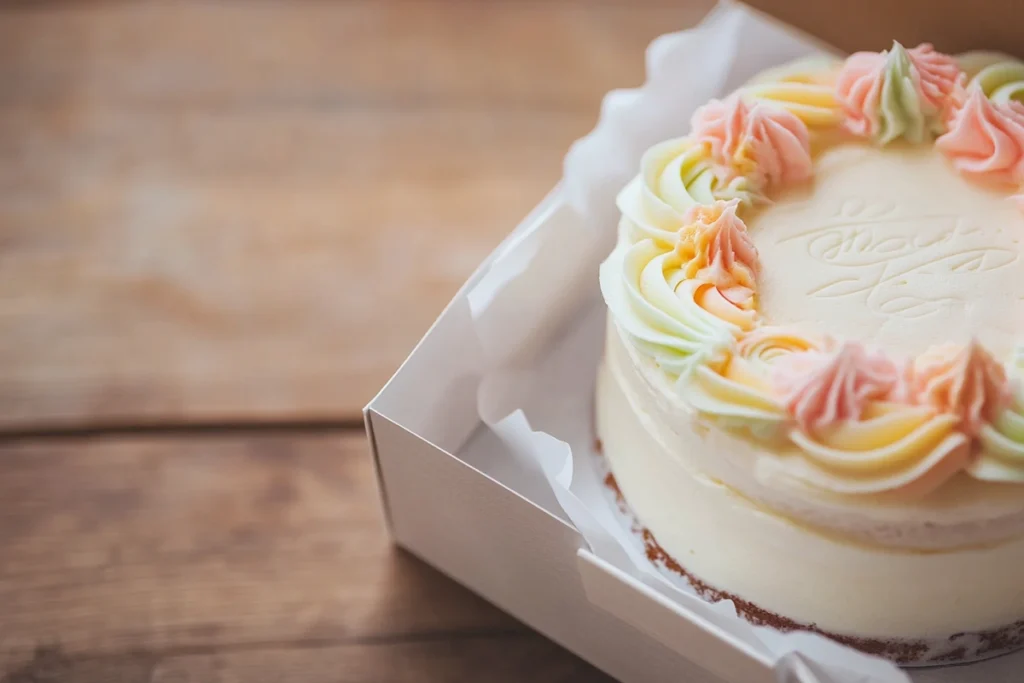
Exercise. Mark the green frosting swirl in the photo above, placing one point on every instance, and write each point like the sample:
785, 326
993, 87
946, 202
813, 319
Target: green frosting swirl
1003, 440
901, 111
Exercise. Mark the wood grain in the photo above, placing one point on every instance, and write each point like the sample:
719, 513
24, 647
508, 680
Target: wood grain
218, 214
246, 265
526, 54
224, 212
233, 547
508, 659
113, 544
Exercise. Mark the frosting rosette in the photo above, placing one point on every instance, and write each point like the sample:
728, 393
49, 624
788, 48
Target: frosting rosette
714, 246
966, 382
767, 144
667, 316
899, 93
986, 140
675, 176
738, 392
1002, 456
820, 389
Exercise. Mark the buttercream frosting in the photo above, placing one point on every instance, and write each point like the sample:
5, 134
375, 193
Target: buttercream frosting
657, 307
897, 94
832, 197
986, 139
805, 87
694, 489
714, 246
767, 144
820, 389
683, 282
999, 76
962, 381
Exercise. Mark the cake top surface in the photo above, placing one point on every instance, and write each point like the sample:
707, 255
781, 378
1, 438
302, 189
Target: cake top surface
830, 263
890, 246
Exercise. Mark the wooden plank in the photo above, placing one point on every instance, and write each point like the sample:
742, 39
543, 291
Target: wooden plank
210, 543
511, 659
525, 54
243, 265
204, 224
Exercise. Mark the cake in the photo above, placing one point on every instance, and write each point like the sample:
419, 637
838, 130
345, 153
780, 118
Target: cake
810, 397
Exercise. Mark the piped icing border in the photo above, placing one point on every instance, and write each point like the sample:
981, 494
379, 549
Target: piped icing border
682, 282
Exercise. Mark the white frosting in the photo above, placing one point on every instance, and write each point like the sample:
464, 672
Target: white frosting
890, 246
681, 478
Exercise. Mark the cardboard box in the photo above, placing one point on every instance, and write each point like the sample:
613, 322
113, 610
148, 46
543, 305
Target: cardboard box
951, 25
454, 495
451, 499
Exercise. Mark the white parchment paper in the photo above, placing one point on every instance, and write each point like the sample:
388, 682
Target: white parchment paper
539, 318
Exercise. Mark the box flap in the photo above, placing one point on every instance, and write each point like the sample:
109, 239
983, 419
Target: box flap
648, 611
951, 25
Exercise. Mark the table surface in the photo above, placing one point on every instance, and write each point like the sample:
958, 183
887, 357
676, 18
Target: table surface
223, 227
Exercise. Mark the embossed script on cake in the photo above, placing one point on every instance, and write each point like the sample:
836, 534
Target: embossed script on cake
876, 251
895, 250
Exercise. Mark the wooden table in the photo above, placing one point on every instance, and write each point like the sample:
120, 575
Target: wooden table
223, 225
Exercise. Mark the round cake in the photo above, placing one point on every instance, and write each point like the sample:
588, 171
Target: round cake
811, 393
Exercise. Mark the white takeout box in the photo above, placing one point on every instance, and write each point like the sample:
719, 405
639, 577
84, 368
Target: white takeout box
455, 496
451, 499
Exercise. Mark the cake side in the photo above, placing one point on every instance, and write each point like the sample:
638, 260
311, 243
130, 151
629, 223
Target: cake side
810, 576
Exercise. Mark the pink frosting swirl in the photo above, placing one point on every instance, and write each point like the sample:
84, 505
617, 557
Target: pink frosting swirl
764, 142
820, 389
859, 90
716, 247
986, 140
936, 76
965, 381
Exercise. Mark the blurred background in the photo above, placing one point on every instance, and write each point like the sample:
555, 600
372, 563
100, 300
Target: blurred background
223, 226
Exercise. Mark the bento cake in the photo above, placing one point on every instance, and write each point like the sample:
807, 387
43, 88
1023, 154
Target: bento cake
811, 393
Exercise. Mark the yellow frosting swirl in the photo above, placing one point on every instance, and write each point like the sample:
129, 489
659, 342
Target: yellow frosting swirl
665, 314
675, 176
738, 393
805, 87
892, 447
1002, 457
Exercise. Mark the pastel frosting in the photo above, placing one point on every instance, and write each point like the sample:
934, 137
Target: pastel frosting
805, 88
999, 76
821, 389
897, 94
681, 285
658, 310
676, 175
768, 144
850, 434
1002, 457
986, 140
963, 381
714, 246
